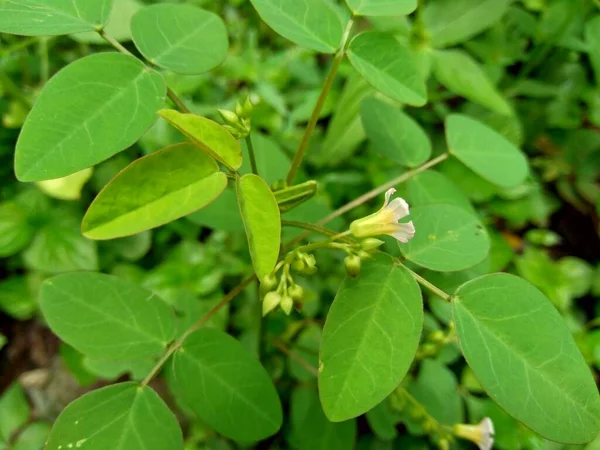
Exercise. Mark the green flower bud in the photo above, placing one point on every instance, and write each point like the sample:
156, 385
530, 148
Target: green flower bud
298, 265
429, 349
296, 292
352, 263
270, 302
248, 107
363, 255
370, 244
437, 336
269, 282
229, 116
287, 303
310, 270
443, 444
239, 110
310, 260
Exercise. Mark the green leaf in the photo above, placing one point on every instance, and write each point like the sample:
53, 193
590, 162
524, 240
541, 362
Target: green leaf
447, 238
262, 222
431, 187
382, 421
33, 437
154, 190
16, 298
312, 24
105, 317
59, 247
312, 430
181, 38
122, 416
394, 133
118, 26
89, 111
226, 386
272, 163
43, 17
592, 38
222, 214
14, 411
486, 152
450, 22
524, 356
370, 338
15, 231
66, 188
461, 74
382, 7
388, 67
208, 135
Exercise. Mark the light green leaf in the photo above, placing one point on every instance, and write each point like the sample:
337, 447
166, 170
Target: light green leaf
486, 152
382, 7
447, 238
59, 247
524, 356
118, 26
226, 386
431, 187
370, 338
313, 24
181, 38
14, 410
394, 133
122, 416
43, 17
105, 317
89, 111
154, 190
262, 222
15, 230
208, 135
462, 75
33, 437
388, 67
222, 214
66, 188
450, 22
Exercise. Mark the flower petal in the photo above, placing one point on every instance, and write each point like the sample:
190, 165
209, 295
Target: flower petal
404, 232
388, 195
399, 208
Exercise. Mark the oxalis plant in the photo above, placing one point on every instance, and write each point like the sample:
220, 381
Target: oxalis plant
511, 336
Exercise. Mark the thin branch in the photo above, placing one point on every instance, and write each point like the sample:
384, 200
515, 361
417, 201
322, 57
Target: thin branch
422, 281
251, 153
295, 356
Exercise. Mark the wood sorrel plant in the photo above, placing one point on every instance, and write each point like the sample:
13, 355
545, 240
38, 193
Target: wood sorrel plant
511, 336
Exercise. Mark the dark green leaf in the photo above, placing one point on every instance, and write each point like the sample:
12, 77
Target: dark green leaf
89, 111
181, 38
226, 386
370, 338
15, 231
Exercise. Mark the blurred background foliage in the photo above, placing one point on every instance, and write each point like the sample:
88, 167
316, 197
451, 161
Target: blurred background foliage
544, 58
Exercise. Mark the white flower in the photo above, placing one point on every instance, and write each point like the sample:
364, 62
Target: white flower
481, 434
385, 221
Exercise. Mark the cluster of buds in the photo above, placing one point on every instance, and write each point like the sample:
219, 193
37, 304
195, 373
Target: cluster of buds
238, 122
358, 252
435, 341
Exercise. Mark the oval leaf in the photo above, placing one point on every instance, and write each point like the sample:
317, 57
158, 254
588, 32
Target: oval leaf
450, 22
122, 416
431, 187
226, 386
47, 18
370, 338
462, 75
312, 24
262, 222
388, 67
486, 152
208, 135
154, 190
524, 356
394, 133
105, 317
382, 7
447, 238
89, 111
181, 38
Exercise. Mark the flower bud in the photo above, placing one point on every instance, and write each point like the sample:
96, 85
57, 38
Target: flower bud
287, 303
310, 270
298, 265
437, 336
429, 349
352, 263
239, 109
270, 302
363, 255
248, 107
296, 292
310, 260
229, 116
481, 434
444, 444
370, 244
269, 282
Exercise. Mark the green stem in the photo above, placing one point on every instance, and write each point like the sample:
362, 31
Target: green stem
312, 123
179, 342
20, 45
422, 281
308, 226
117, 45
251, 153
420, 407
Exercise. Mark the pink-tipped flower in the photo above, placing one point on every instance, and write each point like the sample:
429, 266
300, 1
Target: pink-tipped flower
481, 434
385, 221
